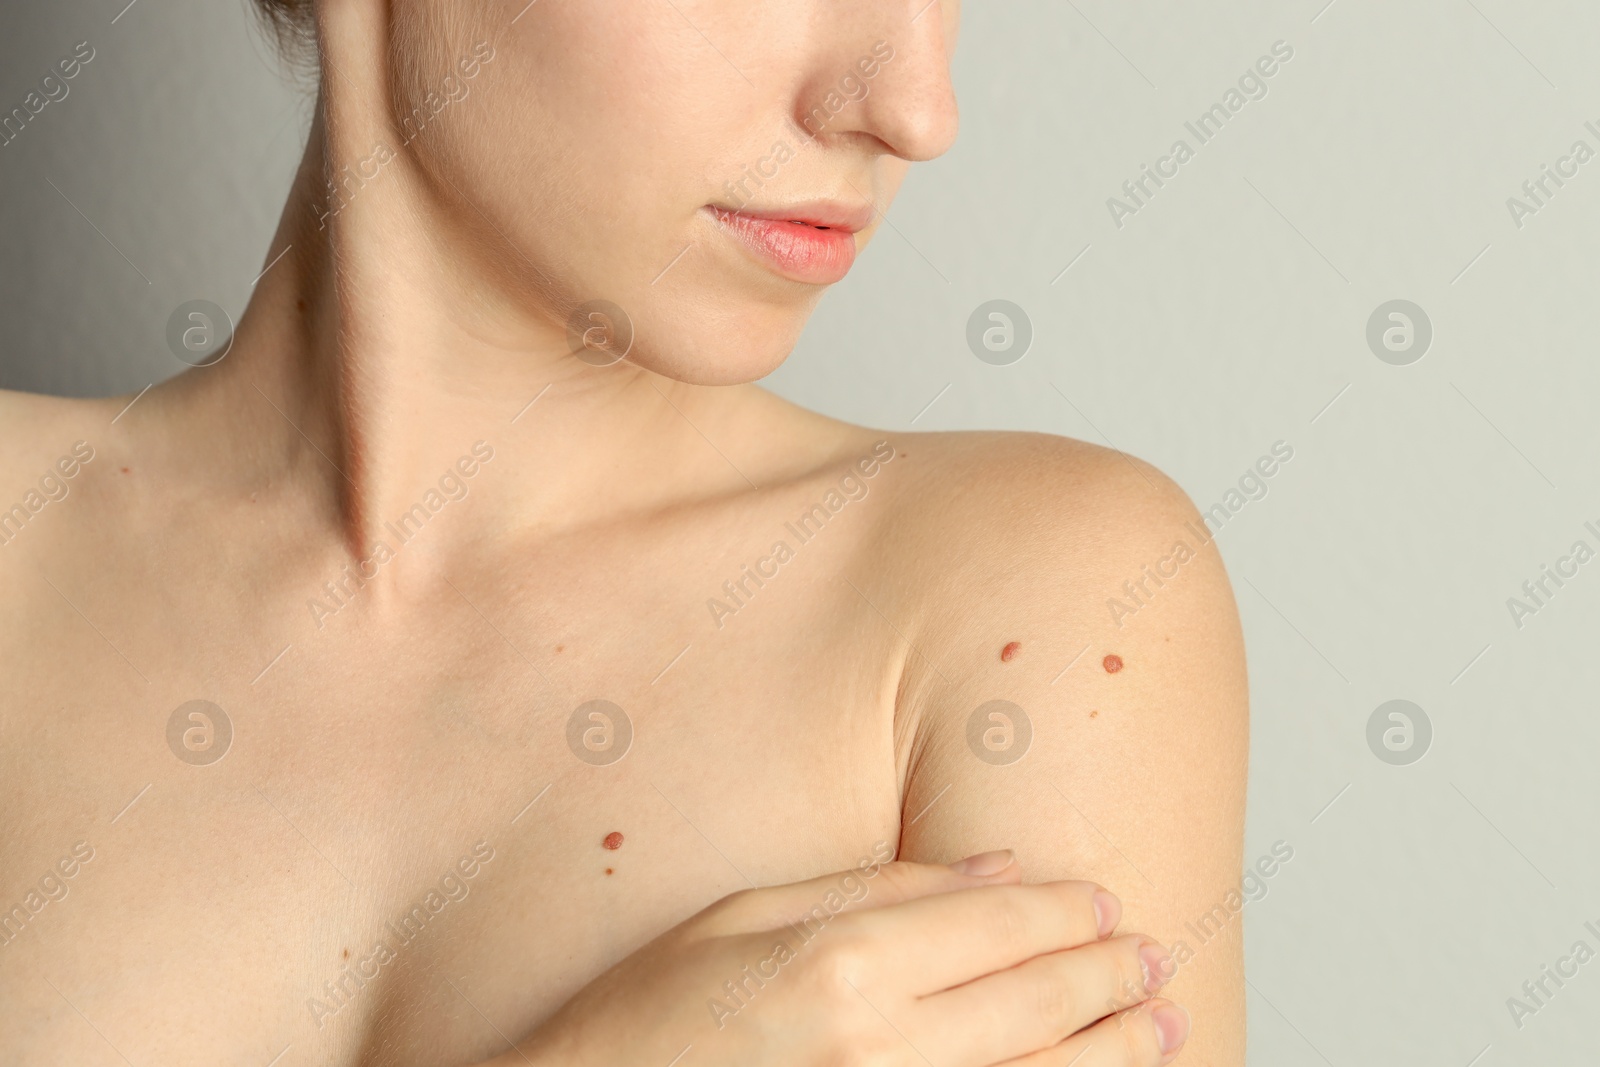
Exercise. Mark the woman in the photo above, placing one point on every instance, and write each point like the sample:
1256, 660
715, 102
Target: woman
382, 690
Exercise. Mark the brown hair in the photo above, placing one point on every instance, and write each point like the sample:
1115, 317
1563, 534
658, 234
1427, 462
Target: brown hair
291, 25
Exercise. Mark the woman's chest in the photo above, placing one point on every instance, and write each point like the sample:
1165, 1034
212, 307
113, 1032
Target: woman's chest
405, 851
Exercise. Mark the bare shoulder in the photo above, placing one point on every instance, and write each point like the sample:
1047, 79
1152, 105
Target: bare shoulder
49, 447
1025, 563
34, 426
1017, 511
1036, 530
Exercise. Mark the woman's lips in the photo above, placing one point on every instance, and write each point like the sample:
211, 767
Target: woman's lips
812, 246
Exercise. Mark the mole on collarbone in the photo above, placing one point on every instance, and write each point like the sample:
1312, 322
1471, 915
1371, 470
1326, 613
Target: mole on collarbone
613, 841
1009, 653
1112, 663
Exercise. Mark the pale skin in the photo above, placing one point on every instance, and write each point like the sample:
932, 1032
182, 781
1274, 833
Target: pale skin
417, 727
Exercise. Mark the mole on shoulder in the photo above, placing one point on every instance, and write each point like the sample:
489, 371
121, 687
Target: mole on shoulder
1112, 663
1011, 649
613, 841
608, 870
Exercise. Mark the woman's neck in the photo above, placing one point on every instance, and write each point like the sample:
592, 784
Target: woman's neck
380, 345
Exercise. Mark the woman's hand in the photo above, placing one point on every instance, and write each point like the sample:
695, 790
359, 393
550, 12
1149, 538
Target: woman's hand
899, 964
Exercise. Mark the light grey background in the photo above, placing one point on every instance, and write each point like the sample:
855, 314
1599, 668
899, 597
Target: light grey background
1227, 314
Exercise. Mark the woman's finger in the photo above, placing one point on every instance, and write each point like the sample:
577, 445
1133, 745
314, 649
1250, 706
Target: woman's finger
816, 901
952, 938
1039, 1003
1149, 1035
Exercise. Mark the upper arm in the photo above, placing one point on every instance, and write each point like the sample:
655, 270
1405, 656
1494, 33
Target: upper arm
1133, 779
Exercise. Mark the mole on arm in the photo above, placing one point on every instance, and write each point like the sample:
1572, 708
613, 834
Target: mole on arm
1010, 651
613, 841
1112, 663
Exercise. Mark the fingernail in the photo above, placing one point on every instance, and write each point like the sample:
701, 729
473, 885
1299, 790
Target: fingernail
985, 863
1172, 1026
1158, 969
1107, 912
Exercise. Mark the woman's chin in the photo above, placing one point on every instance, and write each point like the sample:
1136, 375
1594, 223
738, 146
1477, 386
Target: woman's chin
732, 350
713, 366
